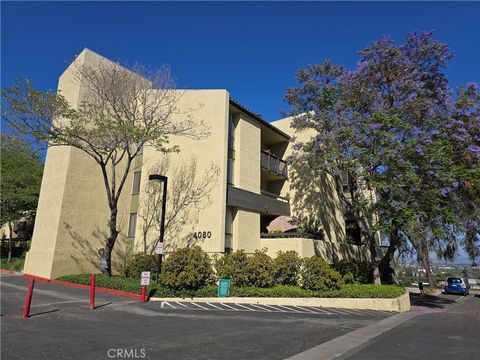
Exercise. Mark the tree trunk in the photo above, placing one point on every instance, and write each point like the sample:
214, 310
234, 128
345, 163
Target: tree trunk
112, 238
374, 262
426, 263
387, 273
10, 240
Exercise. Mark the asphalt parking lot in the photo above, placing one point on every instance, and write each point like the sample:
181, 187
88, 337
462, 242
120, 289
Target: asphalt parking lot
62, 327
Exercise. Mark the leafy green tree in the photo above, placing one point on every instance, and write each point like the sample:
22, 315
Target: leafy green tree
21, 171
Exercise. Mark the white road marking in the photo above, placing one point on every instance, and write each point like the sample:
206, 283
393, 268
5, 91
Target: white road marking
231, 307
243, 306
200, 306
179, 303
341, 311
167, 303
273, 307
319, 311
289, 309
258, 306
215, 306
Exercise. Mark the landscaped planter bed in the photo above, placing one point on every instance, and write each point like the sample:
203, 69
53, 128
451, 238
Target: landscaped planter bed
359, 296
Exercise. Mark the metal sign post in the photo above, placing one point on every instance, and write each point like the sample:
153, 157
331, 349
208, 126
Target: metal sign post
144, 281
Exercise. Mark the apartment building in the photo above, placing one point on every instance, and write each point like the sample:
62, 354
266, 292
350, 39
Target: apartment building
223, 191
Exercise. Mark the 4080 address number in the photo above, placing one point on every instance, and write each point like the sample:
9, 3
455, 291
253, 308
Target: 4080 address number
202, 235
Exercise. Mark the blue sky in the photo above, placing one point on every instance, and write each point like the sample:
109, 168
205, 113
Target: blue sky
251, 49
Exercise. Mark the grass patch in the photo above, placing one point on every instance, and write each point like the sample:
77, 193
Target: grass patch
132, 285
16, 264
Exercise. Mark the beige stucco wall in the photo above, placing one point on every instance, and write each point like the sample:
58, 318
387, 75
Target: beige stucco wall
211, 107
330, 251
246, 224
72, 212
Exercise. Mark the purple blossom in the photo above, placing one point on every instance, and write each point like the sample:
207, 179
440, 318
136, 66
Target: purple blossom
455, 184
374, 126
419, 150
458, 138
444, 192
474, 150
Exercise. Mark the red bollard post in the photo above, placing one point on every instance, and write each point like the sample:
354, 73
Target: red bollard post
144, 293
92, 293
28, 300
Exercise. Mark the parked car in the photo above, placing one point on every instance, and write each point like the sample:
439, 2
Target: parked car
456, 285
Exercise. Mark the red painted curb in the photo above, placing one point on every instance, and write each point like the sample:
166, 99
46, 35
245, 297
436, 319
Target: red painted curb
9, 272
81, 286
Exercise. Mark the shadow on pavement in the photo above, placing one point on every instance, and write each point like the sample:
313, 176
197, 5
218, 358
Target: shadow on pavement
100, 306
44, 312
430, 301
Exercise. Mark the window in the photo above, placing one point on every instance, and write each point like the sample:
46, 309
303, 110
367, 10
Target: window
352, 232
136, 182
230, 172
132, 225
231, 132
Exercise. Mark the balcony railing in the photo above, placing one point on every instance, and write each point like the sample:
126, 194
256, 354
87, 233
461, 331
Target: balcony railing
273, 164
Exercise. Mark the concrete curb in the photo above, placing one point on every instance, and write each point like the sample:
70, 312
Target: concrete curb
82, 286
10, 272
400, 304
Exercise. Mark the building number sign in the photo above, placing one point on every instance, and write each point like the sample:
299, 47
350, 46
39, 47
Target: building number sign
202, 235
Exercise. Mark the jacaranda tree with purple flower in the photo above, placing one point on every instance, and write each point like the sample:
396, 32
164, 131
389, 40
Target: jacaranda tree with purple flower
408, 143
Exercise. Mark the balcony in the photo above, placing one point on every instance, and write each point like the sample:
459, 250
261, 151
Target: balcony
274, 165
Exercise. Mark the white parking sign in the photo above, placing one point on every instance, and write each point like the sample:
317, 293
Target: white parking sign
145, 279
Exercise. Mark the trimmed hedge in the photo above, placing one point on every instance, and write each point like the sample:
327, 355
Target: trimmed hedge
287, 267
138, 263
354, 271
317, 274
132, 285
187, 268
233, 266
260, 269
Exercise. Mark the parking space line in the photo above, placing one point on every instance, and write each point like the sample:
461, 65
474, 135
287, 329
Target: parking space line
215, 306
201, 307
273, 307
340, 311
289, 309
167, 303
261, 308
356, 312
245, 307
179, 303
231, 307
313, 310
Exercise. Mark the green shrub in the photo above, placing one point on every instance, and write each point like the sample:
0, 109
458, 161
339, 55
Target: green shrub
348, 278
312, 227
187, 268
233, 266
359, 270
138, 263
317, 274
260, 269
287, 267
13, 265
